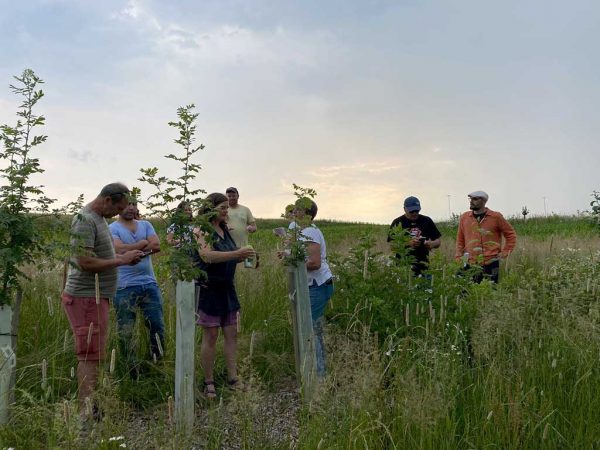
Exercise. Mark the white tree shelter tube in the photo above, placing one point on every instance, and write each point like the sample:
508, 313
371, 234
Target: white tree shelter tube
184, 356
8, 361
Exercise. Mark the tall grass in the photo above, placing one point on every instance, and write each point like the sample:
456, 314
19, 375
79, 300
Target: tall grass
510, 366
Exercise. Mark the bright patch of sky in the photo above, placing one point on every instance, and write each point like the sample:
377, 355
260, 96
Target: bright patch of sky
367, 102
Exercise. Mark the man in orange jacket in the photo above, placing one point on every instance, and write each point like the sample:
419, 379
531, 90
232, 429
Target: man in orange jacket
479, 237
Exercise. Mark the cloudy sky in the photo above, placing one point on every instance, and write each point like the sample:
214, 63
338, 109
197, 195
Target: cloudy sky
365, 101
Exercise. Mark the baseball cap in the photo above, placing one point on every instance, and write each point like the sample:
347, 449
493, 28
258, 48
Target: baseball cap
231, 189
412, 204
480, 194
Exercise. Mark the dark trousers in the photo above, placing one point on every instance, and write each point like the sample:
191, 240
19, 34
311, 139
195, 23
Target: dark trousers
489, 271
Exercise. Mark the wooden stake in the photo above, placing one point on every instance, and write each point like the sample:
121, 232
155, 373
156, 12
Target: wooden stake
252, 336
97, 285
44, 374
170, 410
113, 357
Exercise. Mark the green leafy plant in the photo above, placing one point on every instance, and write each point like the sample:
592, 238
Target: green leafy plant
20, 201
399, 243
595, 204
295, 249
179, 190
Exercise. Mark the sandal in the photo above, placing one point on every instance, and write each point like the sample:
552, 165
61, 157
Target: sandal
209, 390
235, 385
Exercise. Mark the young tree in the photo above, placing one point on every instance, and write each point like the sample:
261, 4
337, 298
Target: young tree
20, 205
170, 192
19, 200
181, 256
595, 204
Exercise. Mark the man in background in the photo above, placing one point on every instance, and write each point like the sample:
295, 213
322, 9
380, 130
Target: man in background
137, 287
241, 221
423, 234
479, 238
93, 254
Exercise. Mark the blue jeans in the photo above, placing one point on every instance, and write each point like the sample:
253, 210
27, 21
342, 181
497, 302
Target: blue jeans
148, 299
319, 296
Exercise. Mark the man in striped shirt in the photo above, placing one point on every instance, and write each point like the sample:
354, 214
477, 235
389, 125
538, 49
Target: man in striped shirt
85, 301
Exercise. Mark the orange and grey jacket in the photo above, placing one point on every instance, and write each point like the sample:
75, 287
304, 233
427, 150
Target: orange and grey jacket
483, 240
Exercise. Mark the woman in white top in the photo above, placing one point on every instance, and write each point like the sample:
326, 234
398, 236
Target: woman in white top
320, 278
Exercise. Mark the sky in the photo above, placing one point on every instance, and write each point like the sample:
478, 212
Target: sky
367, 102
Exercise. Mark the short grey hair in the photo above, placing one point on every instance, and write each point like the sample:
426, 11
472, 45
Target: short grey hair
116, 192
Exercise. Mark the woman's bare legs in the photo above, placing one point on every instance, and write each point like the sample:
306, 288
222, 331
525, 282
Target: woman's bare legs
230, 349
207, 357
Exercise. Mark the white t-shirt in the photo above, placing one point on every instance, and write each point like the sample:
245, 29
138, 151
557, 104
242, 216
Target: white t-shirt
323, 273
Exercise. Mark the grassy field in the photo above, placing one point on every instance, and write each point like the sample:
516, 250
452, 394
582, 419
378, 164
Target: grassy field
411, 364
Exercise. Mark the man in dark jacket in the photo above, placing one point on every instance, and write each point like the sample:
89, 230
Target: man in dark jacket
424, 235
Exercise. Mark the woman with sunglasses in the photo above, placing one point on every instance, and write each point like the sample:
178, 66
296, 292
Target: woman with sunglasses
218, 304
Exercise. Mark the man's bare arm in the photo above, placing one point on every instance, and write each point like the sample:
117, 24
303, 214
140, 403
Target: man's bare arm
96, 265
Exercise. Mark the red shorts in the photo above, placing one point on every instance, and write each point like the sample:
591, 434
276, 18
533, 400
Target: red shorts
83, 312
208, 321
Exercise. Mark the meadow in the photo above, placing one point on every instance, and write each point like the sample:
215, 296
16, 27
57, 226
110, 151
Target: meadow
440, 364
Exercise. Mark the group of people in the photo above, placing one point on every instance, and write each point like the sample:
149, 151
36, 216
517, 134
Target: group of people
113, 262
479, 239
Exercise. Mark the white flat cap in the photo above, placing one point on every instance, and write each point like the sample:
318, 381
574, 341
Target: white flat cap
479, 194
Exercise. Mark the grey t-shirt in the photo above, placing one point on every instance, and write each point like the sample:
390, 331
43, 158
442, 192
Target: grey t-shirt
90, 236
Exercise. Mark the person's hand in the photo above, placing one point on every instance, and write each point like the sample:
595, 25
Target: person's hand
281, 254
251, 228
144, 243
132, 257
245, 252
427, 244
414, 242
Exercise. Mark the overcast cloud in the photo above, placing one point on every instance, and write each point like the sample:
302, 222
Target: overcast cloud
367, 102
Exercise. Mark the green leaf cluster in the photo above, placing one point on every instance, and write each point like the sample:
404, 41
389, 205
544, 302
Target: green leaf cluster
20, 201
168, 193
595, 205
295, 247
374, 289
31, 230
